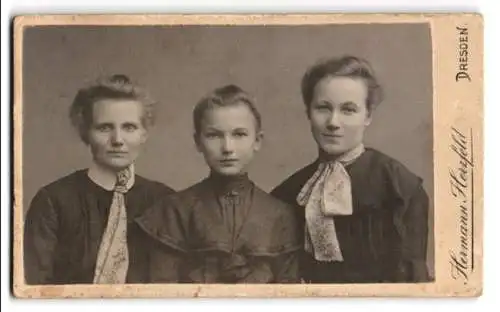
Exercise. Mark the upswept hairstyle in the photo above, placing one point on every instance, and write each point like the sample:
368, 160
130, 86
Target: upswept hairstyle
345, 66
117, 86
222, 97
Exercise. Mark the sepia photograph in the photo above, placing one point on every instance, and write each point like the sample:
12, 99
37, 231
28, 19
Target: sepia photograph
166, 153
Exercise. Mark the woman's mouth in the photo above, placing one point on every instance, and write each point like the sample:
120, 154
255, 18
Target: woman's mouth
332, 135
228, 162
117, 153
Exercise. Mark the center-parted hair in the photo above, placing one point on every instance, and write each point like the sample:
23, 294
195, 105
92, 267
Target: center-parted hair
346, 66
115, 87
225, 96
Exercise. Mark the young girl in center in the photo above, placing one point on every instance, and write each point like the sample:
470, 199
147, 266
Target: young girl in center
224, 229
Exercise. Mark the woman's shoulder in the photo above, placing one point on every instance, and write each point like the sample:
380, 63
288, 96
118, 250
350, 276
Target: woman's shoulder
62, 192
291, 185
388, 168
65, 184
270, 203
170, 202
278, 222
190, 195
153, 185
165, 215
379, 160
167, 220
276, 209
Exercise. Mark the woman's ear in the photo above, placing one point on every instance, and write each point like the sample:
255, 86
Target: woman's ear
368, 119
259, 138
144, 136
196, 139
308, 113
84, 134
369, 114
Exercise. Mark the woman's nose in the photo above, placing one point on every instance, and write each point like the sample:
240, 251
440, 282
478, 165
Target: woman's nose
334, 120
117, 137
227, 145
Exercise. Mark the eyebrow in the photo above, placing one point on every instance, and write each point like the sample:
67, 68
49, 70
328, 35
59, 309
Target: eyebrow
211, 128
108, 123
349, 103
340, 104
104, 123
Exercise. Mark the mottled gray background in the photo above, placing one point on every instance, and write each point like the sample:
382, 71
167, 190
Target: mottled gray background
178, 65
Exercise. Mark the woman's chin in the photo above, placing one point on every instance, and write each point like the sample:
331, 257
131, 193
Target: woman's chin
116, 164
227, 171
333, 149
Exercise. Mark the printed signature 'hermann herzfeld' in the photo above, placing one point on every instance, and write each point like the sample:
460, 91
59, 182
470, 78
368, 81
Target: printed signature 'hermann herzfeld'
461, 179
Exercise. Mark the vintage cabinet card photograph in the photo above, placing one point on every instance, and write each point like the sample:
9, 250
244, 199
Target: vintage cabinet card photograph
325, 155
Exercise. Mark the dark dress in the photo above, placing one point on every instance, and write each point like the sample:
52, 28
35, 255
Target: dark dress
222, 231
385, 239
66, 221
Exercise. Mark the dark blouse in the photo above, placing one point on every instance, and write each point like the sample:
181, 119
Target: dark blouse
385, 239
221, 231
65, 224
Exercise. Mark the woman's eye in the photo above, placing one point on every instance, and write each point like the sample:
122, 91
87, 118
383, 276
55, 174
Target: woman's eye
322, 107
130, 127
349, 110
104, 128
240, 134
211, 135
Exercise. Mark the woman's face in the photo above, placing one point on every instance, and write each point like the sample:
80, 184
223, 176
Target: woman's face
338, 114
228, 139
116, 134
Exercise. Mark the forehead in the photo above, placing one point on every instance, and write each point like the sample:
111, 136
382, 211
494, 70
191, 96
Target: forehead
341, 89
229, 117
117, 110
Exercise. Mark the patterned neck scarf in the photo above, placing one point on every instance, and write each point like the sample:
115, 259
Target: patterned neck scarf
325, 195
112, 258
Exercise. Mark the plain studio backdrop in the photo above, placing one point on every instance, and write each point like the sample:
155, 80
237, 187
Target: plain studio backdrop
180, 64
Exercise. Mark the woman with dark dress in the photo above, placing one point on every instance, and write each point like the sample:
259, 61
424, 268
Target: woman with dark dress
80, 229
224, 229
364, 214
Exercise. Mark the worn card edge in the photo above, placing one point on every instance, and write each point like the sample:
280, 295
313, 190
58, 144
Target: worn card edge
448, 102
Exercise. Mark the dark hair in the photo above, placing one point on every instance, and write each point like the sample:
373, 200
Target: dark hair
110, 87
222, 97
346, 66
